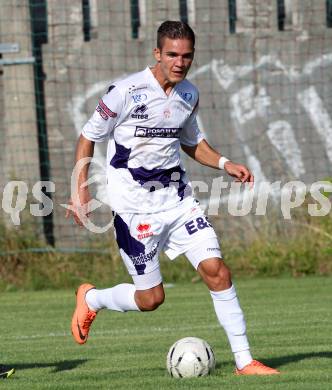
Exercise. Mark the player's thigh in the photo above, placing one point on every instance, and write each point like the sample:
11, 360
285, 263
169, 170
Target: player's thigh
190, 228
195, 237
138, 238
192, 234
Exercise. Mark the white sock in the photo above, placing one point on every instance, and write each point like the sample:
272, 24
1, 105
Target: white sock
231, 318
119, 298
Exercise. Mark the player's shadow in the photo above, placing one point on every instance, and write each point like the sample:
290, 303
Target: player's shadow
284, 360
65, 365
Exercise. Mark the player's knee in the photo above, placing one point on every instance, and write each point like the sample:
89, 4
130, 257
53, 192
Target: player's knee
220, 280
217, 275
151, 304
152, 301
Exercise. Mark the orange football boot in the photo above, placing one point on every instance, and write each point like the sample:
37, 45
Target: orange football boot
256, 368
83, 316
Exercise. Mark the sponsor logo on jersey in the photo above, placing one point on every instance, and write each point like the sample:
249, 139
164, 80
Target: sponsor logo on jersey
139, 97
144, 257
197, 224
104, 111
139, 112
144, 230
162, 132
187, 96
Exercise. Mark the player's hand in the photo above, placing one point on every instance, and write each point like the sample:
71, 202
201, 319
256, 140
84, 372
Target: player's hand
78, 207
240, 172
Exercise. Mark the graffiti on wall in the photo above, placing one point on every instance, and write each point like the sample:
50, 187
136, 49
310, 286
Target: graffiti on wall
250, 102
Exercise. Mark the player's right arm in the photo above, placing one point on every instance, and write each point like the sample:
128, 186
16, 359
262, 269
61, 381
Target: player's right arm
97, 129
80, 195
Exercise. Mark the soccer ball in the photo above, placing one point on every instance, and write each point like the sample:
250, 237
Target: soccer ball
190, 357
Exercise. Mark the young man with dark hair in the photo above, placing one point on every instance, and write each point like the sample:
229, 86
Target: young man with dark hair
174, 30
146, 118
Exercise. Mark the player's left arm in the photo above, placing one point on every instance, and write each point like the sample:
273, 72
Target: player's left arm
206, 155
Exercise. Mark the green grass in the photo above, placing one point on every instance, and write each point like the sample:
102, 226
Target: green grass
288, 320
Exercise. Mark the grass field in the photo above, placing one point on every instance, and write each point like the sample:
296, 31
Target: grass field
289, 325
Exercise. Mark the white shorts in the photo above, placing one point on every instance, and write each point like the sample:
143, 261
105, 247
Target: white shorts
183, 229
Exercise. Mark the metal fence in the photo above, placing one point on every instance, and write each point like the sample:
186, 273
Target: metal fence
263, 69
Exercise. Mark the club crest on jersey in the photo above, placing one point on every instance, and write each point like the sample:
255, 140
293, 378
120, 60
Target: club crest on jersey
167, 113
161, 132
139, 112
104, 111
144, 230
187, 96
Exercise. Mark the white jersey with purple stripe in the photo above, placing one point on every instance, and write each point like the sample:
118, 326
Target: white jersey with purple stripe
144, 128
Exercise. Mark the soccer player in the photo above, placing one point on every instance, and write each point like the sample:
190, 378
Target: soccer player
6, 372
147, 118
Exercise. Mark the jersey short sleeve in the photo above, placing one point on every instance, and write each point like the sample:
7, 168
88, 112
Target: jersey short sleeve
191, 134
104, 119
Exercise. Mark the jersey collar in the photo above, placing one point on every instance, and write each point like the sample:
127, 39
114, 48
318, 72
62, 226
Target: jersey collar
156, 85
